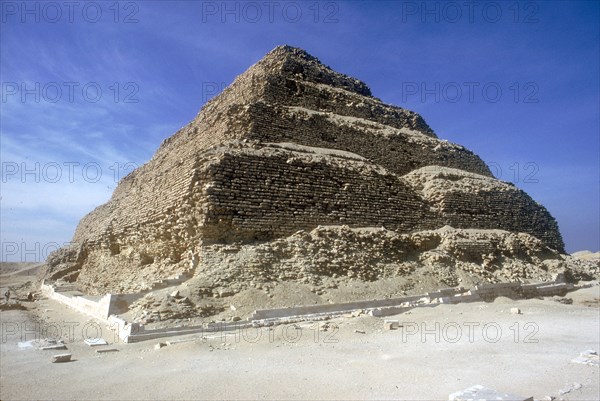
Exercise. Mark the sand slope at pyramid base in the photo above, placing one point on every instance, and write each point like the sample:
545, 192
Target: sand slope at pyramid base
339, 264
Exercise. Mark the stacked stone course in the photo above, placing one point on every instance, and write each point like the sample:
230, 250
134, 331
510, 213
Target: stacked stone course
466, 200
290, 145
273, 192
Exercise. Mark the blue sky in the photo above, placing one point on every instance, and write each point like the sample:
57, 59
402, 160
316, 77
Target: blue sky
90, 90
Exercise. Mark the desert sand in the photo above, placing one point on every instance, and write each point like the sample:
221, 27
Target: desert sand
529, 354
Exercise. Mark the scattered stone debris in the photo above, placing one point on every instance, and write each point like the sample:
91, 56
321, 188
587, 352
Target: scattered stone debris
563, 300
54, 347
160, 345
43, 344
151, 309
324, 327
375, 312
589, 357
12, 306
106, 350
360, 331
61, 358
25, 344
568, 389
186, 340
515, 311
480, 393
390, 324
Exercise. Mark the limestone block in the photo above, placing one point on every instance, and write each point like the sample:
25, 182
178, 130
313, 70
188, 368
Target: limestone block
390, 324
61, 358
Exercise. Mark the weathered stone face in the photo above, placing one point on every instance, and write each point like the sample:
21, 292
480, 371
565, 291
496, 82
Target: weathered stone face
271, 192
289, 146
466, 200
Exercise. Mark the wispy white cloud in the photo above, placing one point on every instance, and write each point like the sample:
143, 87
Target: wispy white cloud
171, 51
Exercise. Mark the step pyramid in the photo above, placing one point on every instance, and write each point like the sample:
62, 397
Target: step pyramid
291, 145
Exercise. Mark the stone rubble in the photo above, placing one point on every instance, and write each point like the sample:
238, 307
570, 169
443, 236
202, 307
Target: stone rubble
589, 357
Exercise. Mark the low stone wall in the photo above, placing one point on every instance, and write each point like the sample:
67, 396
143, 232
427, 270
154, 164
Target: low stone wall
120, 302
99, 308
134, 332
384, 307
142, 334
102, 308
329, 308
123, 329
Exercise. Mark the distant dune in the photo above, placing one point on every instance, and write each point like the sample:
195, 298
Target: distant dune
19, 268
586, 255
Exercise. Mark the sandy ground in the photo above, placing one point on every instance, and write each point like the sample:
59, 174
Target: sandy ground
439, 350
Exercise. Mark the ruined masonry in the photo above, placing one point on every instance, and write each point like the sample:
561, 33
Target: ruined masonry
290, 146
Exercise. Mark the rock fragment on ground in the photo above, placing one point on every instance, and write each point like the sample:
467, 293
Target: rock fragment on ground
481, 393
569, 388
94, 342
61, 358
588, 357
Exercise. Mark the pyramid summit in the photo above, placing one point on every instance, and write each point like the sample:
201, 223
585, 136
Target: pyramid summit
290, 61
294, 173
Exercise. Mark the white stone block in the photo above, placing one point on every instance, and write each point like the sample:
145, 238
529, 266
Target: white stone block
61, 358
390, 324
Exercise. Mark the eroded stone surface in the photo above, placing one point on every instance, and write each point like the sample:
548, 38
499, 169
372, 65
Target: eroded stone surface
237, 197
